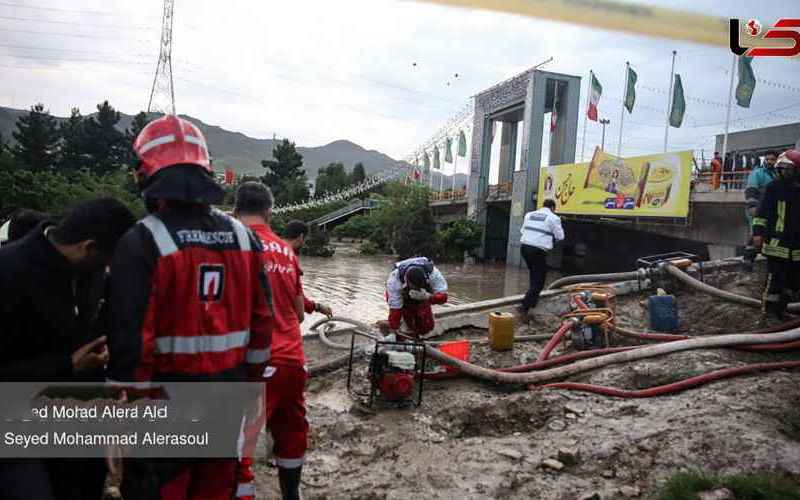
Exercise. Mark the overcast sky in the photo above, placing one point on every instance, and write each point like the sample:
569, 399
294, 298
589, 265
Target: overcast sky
318, 71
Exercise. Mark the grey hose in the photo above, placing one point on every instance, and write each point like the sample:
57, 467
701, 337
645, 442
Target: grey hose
602, 278
716, 292
362, 329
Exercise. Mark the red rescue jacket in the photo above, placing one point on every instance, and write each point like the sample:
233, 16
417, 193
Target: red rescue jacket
189, 300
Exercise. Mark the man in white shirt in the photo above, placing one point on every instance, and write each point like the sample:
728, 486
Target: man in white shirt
540, 230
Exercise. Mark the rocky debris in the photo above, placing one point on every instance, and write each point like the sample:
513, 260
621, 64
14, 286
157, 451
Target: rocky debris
718, 494
550, 463
510, 453
568, 456
594, 495
630, 491
556, 425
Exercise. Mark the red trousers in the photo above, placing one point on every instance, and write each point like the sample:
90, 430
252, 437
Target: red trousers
418, 318
206, 480
286, 414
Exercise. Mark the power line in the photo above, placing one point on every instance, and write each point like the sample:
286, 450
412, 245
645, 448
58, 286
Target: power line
55, 9
72, 23
53, 49
66, 60
73, 35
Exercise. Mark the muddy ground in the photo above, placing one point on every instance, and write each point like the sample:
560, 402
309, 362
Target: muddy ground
476, 440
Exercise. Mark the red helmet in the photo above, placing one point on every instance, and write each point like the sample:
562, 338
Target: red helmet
170, 141
790, 156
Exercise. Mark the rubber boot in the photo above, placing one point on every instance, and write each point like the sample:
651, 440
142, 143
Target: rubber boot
777, 309
748, 259
290, 482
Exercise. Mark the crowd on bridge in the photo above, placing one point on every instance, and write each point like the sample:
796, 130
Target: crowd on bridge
190, 293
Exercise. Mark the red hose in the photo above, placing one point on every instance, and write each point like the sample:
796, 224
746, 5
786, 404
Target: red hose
673, 387
579, 302
540, 365
553, 342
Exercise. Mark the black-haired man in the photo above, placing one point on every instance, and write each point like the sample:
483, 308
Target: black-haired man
22, 222
540, 230
295, 235
46, 330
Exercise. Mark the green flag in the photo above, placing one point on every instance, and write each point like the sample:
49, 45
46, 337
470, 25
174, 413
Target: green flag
448, 150
462, 144
678, 103
426, 160
436, 165
747, 82
630, 93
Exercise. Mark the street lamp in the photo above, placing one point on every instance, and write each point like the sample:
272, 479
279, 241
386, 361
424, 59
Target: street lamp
604, 122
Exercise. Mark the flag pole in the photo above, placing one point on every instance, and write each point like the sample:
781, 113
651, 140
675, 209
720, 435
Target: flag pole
586, 114
455, 171
728, 113
669, 99
441, 179
622, 112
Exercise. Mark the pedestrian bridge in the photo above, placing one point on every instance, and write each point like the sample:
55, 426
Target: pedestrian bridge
356, 207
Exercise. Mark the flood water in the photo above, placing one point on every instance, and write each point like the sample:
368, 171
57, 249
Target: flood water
354, 285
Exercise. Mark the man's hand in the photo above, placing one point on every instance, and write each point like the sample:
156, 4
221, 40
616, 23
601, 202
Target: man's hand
327, 311
421, 295
752, 211
384, 327
91, 356
758, 243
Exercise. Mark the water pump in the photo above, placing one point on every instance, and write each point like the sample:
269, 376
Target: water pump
396, 372
392, 373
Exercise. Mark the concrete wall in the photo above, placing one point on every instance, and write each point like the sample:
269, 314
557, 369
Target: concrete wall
780, 136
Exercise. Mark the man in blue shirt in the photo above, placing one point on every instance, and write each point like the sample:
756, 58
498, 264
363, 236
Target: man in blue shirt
757, 182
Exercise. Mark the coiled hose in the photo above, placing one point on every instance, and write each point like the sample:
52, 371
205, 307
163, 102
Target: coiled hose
599, 278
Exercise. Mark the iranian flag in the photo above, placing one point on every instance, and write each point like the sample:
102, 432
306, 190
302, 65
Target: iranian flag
594, 98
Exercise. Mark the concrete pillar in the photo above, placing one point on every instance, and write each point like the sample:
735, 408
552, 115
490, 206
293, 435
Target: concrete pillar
508, 152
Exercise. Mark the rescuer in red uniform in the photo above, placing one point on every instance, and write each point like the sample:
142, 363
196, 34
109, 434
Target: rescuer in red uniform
189, 300
286, 373
412, 287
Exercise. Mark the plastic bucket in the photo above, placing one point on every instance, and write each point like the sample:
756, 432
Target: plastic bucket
459, 349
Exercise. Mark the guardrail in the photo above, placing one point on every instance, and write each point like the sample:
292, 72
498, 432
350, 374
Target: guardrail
458, 194
353, 207
721, 181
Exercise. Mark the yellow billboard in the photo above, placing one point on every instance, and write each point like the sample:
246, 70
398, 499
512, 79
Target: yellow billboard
642, 186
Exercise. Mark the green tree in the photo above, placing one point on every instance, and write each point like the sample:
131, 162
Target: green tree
330, 179
458, 237
138, 123
285, 175
405, 222
73, 141
359, 174
37, 139
105, 147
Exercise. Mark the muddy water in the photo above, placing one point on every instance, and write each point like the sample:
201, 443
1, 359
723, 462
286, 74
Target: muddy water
353, 285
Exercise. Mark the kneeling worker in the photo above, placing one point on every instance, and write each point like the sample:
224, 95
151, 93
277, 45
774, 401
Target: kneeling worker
412, 287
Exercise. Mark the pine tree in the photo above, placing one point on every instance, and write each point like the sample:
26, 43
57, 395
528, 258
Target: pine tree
359, 174
138, 123
73, 141
105, 147
285, 175
37, 139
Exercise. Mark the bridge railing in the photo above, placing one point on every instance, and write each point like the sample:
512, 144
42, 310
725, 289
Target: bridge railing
458, 194
330, 216
721, 181
500, 190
